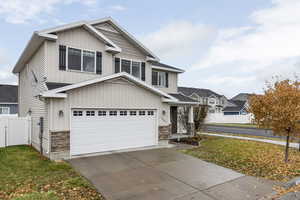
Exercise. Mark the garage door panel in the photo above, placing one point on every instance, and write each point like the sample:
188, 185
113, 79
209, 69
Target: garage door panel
91, 134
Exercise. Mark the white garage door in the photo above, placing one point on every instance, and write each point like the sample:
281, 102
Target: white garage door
107, 130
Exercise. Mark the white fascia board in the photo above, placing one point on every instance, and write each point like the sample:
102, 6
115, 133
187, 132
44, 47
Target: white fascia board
150, 59
15, 103
131, 37
179, 102
167, 69
56, 95
103, 37
63, 27
48, 36
97, 80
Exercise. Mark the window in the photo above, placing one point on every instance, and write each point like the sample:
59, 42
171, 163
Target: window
101, 113
150, 112
88, 64
212, 101
135, 68
90, 113
142, 112
80, 60
113, 113
160, 79
123, 113
132, 113
74, 59
77, 113
125, 66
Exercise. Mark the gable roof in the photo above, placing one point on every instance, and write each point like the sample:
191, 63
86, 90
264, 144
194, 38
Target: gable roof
239, 105
58, 91
111, 21
183, 98
38, 37
188, 91
161, 66
242, 96
8, 94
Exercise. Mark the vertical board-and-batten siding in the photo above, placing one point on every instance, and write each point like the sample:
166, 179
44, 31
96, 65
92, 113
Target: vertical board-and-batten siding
29, 91
111, 94
81, 39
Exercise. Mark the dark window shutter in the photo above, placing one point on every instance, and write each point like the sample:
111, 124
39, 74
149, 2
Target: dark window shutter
99, 63
167, 79
143, 71
154, 78
62, 57
117, 65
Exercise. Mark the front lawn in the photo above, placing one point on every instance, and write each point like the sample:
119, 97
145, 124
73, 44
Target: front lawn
25, 175
249, 157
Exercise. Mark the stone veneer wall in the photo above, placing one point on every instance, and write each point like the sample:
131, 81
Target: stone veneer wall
164, 132
60, 141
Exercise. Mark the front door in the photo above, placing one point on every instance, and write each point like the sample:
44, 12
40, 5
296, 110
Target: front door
174, 119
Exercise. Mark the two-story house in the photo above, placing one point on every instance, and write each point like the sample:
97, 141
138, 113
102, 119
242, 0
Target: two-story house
238, 105
90, 87
207, 97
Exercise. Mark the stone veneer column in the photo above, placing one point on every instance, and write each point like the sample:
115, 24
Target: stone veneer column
164, 132
60, 145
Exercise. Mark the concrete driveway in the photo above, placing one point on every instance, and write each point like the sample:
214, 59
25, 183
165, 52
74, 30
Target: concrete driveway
165, 174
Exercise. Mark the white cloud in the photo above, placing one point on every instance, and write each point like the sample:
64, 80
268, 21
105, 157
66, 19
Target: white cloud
118, 8
270, 41
179, 39
6, 77
22, 11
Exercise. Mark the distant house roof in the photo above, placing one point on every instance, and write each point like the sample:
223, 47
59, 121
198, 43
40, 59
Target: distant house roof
239, 105
166, 67
183, 98
8, 94
188, 91
53, 85
242, 97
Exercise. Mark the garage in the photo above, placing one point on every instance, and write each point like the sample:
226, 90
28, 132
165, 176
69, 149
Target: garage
101, 130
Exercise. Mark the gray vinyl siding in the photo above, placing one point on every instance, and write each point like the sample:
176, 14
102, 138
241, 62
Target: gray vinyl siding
28, 95
173, 82
106, 26
13, 108
112, 94
81, 39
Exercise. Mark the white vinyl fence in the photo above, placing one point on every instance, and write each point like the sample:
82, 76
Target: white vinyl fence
221, 118
14, 130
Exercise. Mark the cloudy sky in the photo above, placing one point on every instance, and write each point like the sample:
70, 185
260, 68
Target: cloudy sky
229, 46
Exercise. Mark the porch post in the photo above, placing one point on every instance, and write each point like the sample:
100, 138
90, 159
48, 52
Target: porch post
190, 125
191, 114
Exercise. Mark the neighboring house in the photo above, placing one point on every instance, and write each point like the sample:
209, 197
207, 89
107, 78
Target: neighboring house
238, 105
90, 87
8, 100
215, 102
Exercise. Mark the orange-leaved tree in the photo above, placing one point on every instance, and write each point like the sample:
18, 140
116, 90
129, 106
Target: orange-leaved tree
279, 109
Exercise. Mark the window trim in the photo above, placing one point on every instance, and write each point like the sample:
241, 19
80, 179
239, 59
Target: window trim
5, 107
81, 53
157, 84
131, 60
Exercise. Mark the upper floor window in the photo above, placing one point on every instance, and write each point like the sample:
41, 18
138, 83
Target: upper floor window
160, 78
80, 60
135, 68
212, 101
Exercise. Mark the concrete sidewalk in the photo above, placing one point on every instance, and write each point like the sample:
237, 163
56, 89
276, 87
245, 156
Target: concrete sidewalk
293, 145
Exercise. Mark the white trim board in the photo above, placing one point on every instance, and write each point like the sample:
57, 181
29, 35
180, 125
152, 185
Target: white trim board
54, 92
